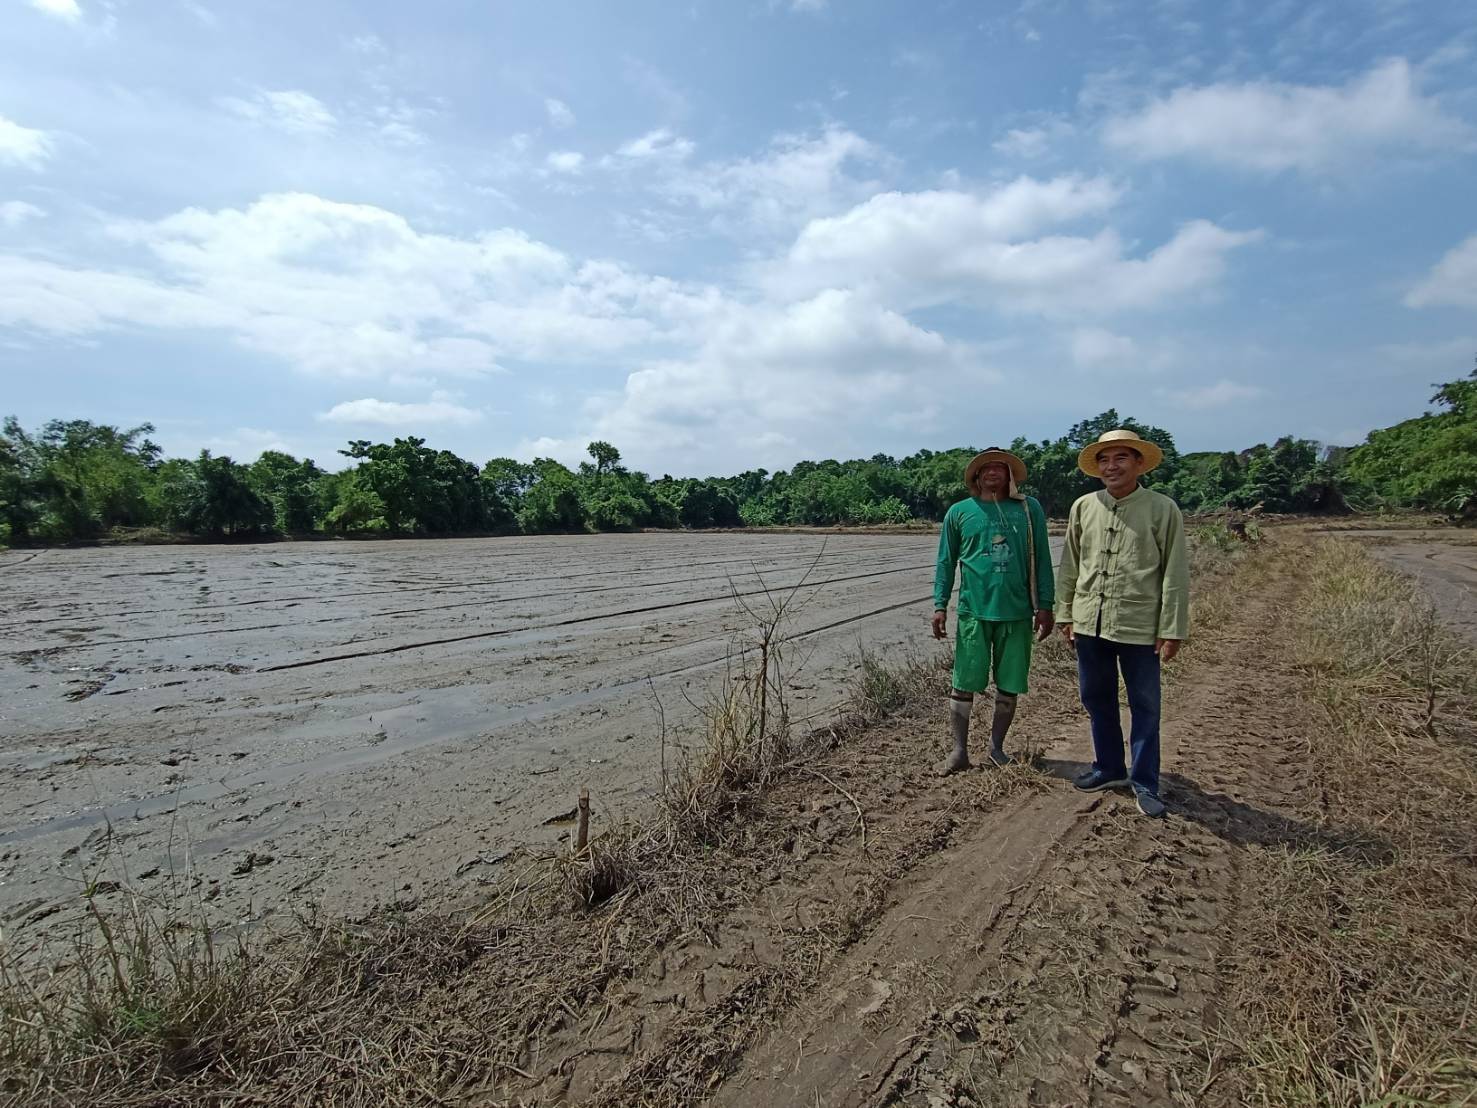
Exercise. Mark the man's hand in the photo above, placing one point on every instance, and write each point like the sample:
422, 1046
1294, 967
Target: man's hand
1166, 649
1066, 630
938, 623
1045, 621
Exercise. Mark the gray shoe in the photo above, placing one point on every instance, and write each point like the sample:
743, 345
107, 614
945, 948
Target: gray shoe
1092, 781
1149, 804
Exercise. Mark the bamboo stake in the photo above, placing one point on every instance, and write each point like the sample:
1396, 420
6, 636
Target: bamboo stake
582, 836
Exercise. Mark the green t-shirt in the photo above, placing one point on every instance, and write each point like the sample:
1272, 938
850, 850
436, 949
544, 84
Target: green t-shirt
986, 540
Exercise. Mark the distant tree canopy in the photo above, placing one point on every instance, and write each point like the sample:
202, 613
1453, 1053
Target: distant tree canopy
1429, 461
78, 480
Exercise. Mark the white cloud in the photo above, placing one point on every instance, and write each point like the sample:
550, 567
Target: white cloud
1030, 143
1452, 281
917, 249
1095, 347
354, 291
1218, 395
660, 143
797, 178
370, 45
246, 444
765, 377
389, 413
565, 161
290, 110
62, 9
1271, 126
23, 146
559, 113
15, 212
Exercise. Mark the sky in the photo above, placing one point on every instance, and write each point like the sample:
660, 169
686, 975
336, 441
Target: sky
729, 234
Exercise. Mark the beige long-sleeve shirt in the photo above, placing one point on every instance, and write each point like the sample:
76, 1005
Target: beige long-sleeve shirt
1125, 572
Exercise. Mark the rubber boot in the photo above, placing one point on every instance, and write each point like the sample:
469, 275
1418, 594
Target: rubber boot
959, 709
999, 725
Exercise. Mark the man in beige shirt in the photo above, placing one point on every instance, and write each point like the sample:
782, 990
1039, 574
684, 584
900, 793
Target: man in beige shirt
1123, 602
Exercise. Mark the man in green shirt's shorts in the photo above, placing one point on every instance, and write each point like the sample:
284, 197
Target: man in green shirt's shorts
997, 541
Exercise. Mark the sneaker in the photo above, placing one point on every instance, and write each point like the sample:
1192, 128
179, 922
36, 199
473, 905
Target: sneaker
1095, 781
1149, 804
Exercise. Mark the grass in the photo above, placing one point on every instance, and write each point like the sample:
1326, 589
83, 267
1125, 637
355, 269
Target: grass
1361, 983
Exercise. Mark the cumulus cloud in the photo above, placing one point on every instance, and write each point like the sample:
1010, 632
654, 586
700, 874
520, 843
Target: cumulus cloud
923, 248
766, 377
559, 113
23, 146
1218, 395
290, 110
352, 290
15, 212
1271, 126
67, 10
440, 409
1452, 281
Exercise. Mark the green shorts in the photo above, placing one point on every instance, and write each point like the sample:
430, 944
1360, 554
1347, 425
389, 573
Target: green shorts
981, 645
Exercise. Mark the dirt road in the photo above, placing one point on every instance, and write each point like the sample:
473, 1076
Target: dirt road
366, 722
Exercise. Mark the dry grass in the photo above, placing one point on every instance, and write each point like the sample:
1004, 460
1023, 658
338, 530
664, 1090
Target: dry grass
1361, 985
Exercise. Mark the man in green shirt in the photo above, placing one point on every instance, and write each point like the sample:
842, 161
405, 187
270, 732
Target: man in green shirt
1123, 602
997, 540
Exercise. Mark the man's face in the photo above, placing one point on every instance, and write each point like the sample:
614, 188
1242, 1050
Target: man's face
993, 477
1120, 468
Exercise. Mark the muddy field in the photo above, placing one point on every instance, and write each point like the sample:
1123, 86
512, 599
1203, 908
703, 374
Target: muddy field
1445, 563
357, 723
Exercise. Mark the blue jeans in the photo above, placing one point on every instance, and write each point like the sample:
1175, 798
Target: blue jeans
1098, 663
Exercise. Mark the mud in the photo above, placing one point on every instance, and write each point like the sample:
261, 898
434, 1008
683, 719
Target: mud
1445, 564
373, 722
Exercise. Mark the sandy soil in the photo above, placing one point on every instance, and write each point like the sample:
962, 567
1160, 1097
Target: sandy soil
367, 722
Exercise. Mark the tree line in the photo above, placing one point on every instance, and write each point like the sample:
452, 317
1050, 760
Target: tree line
76, 480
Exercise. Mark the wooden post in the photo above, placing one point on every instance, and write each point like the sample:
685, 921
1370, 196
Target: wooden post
582, 836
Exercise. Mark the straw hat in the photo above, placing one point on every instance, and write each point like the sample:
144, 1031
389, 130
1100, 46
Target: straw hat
1087, 459
994, 454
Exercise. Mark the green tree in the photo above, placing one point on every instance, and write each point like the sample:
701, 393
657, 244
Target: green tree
212, 497
291, 487
552, 502
83, 477
606, 456
1430, 461
356, 508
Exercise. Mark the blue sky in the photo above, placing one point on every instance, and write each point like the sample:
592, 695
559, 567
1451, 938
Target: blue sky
733, 234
